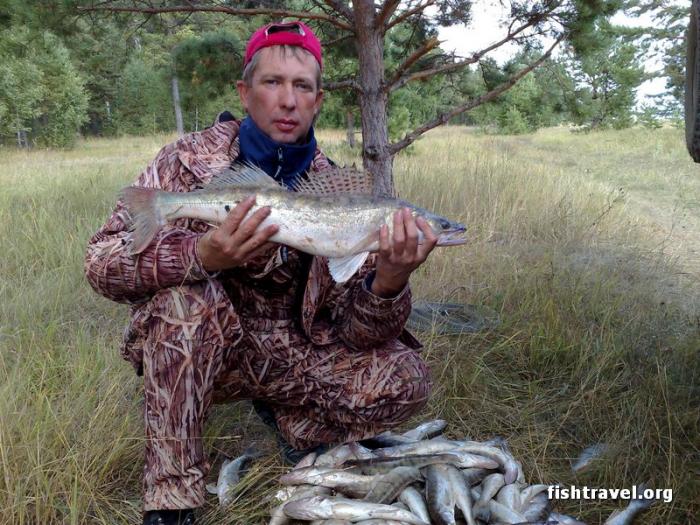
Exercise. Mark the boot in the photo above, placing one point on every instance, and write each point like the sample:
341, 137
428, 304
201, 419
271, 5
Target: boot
290, 455
169, 517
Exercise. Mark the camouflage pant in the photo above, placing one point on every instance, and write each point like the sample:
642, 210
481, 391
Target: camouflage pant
199, 351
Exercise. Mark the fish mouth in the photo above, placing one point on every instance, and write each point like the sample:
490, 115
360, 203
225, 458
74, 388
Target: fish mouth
454, 237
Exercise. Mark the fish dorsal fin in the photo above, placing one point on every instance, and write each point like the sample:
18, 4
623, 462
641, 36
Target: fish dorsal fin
342, 268
243, 175
333, 181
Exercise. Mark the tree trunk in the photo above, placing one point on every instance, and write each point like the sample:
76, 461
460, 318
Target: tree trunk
373, 102
350, 128
178, 108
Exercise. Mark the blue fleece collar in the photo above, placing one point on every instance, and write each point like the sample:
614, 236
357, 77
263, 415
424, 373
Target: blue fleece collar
284, 162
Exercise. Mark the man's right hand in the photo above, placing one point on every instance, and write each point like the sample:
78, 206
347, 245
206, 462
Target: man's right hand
236, 240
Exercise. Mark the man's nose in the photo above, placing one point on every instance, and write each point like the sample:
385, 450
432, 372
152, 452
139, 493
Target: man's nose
287, 97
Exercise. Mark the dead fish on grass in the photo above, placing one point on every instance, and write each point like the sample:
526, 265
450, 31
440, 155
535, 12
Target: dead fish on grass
230, 474
627, 516
589, 455
420, 482
321, 507
329, 214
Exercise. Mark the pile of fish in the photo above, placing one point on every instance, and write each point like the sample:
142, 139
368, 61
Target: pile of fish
418, 478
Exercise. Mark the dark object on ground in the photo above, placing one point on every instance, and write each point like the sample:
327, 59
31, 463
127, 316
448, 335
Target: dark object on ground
169, 517
290, 455
692, 84
451, 318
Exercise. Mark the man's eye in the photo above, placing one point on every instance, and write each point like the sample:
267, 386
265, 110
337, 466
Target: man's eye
271, 81
303, 86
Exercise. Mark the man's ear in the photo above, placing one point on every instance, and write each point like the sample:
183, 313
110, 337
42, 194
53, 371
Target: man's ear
243, 89
319, 102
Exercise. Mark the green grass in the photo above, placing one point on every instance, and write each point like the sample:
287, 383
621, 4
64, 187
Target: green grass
584, 244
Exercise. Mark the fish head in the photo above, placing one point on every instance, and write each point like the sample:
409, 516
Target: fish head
448, 232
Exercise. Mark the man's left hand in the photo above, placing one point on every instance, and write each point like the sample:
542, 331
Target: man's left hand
400, 254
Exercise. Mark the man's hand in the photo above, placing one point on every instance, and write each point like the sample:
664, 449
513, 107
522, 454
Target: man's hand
235, 241
402, 254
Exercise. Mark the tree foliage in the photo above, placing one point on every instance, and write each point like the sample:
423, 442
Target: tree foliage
606, 76
42, 95
109, 72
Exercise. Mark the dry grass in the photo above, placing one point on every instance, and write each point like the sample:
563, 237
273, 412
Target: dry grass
596, 289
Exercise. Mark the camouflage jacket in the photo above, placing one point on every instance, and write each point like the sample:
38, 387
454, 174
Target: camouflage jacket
327, 312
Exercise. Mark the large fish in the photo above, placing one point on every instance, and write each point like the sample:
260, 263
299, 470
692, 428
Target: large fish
329, 214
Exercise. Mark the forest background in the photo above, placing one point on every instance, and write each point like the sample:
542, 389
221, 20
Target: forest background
67, 73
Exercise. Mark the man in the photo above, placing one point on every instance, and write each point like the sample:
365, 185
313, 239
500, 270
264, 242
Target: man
222, 313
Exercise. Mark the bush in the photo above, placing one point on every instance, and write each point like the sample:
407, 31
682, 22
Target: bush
512, 122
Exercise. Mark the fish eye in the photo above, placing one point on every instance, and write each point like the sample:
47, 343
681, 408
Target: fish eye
445, 224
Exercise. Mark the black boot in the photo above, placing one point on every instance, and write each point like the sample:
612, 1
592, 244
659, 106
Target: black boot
169, 517
290, 455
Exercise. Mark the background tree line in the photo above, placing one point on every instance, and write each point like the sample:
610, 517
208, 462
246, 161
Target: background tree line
66, 73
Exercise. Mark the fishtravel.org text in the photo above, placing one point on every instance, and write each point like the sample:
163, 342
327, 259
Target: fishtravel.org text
594, 493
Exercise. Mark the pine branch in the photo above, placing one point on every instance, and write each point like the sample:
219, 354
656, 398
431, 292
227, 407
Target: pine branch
408, 13
343, 84
486, 97
341, 8
398, 83
386, 11
426, 48
221, 9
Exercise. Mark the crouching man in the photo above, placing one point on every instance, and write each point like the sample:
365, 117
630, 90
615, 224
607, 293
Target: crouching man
222, 314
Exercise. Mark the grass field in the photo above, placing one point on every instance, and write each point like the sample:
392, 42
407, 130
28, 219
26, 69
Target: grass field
585, 245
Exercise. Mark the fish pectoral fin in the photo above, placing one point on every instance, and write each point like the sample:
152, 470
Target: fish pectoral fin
342, 268
211, 488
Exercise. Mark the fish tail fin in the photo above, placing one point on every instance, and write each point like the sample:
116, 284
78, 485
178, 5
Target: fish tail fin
141, 203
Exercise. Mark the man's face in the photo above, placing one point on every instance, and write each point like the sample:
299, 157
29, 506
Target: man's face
283, 97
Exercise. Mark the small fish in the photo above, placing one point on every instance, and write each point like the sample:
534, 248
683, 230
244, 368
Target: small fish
379, 521
511, 467
489, 488
588, 456
322, 507
474, 476
439, 495
386, 487
278, 517
503, 514
509, 496
537, 507
563, 519
230, 475
328, 214
426, 430
337, 456
306, 461
418, 448
356, 485
462, 493
415, 502
530, 492
627, 516
387, 439
382, 465
469, 460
